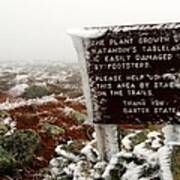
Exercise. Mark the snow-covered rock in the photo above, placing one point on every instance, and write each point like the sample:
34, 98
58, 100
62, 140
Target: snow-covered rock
18, 89
127, 141
19, 103
83, 171
90, 153
21, 78
68, 155
147, 160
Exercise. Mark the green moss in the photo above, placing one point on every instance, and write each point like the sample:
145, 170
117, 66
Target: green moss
7, 162
53, 130
3, 129
4, 114
140, 137
74, 146
80, 117
176, 163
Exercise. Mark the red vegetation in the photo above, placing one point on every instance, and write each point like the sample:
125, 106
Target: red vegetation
34, 116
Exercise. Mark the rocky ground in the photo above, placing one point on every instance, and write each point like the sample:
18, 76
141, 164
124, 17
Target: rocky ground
44, 133
56, 121
67, 147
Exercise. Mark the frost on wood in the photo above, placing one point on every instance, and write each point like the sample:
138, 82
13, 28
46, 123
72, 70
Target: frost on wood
107, 139
106, 70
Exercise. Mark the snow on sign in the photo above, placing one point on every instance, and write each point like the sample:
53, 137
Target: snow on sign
131, 74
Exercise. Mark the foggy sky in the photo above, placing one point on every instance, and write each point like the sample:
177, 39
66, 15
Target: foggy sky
36, 29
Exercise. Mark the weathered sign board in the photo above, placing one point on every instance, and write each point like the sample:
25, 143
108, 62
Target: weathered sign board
133, 73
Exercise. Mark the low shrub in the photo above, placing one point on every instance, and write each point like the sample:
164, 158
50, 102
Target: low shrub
21, 144
35, 91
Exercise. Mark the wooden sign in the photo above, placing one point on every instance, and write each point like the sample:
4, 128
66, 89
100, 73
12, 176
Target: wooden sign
132, 73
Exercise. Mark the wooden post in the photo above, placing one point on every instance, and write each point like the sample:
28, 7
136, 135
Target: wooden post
108, 140
172, 133
106, 135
